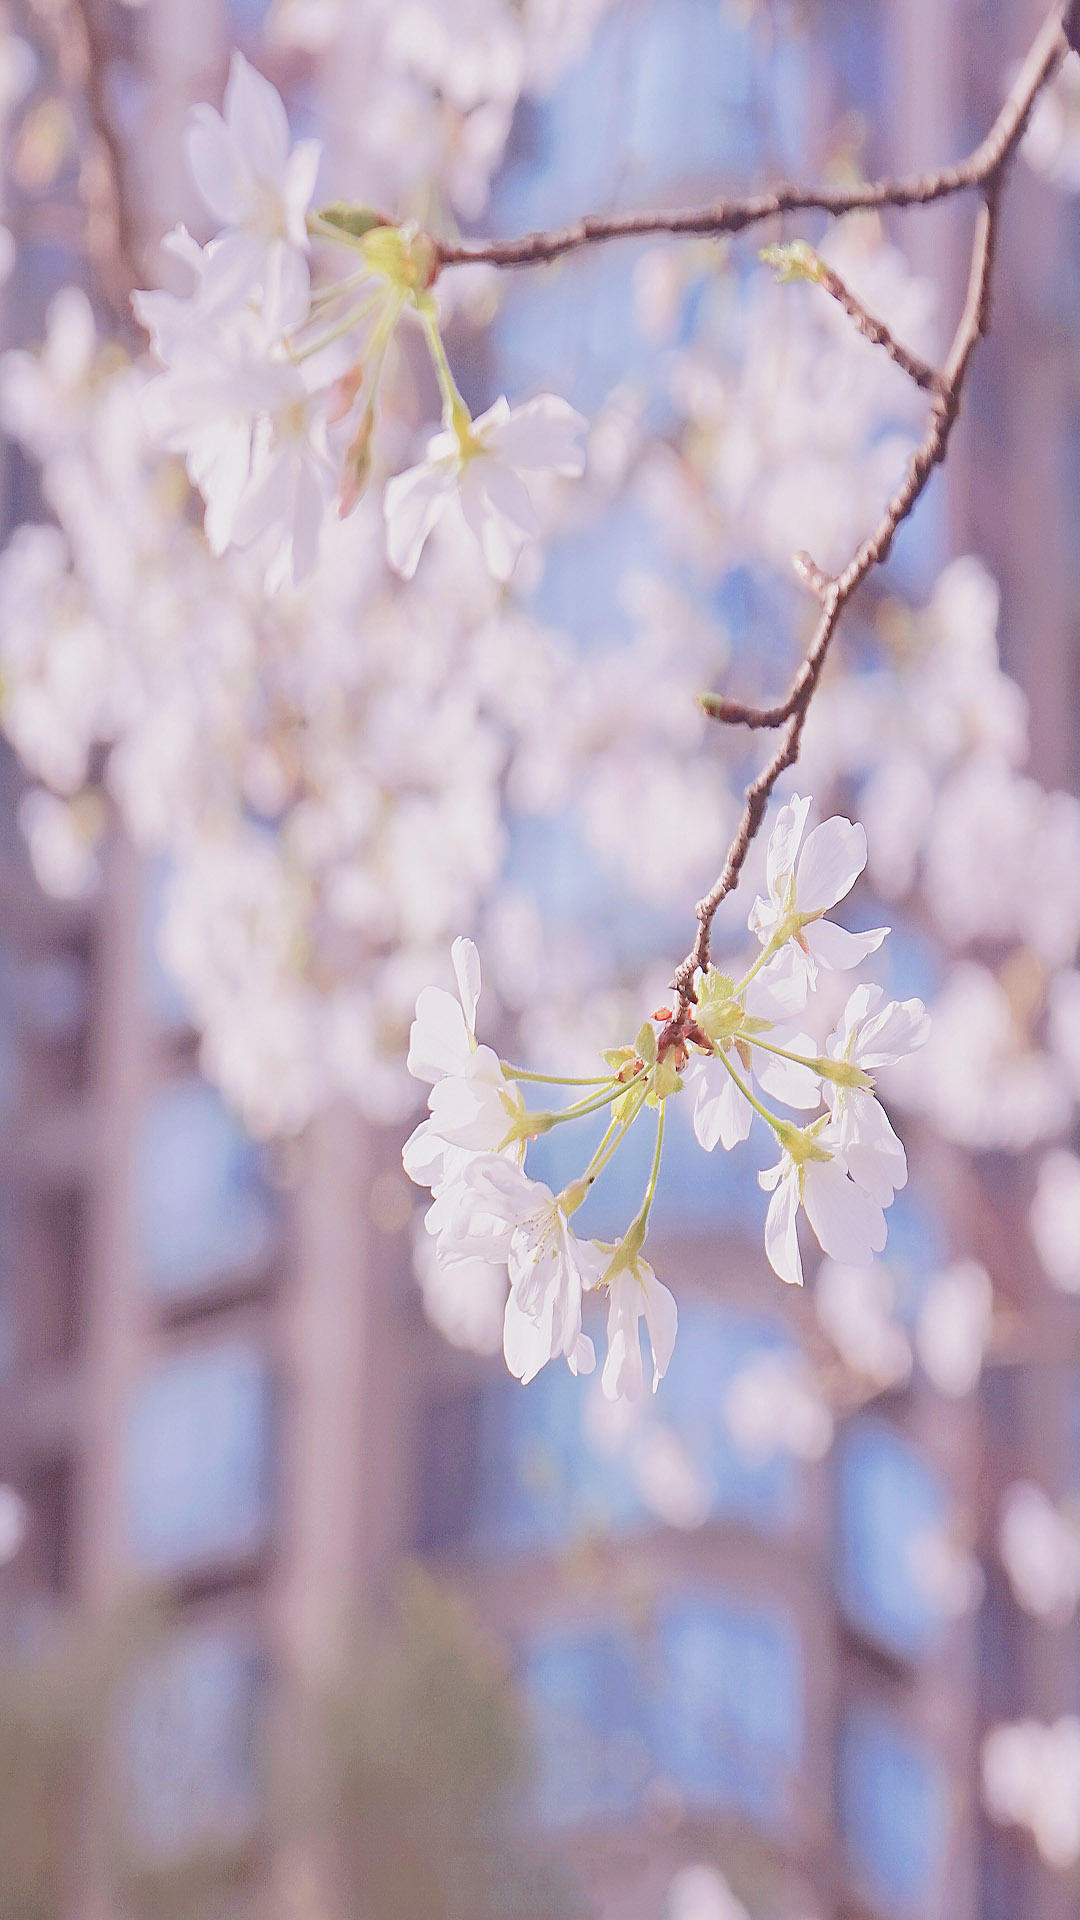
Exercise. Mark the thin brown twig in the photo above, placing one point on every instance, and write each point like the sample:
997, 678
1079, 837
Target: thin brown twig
735, 216
875, 330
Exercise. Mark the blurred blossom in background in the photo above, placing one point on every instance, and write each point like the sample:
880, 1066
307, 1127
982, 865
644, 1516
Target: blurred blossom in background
308, 1610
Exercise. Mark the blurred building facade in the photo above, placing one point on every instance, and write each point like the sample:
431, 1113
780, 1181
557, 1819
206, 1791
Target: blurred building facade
216, 1376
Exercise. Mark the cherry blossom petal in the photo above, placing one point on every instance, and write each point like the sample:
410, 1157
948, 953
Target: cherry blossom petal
439, 1041
543, 433
902, 1027
424, 1155
786, 1080
221, 171
506, 1190
848, 1224
581, 1357
301, 175
496, 505
829, 865
256, 119
835, 949
467, 973
414, 502
470, 1112
286, 279
526, 1339
779, 990
781, 1229
721, 1110
784, 843
623, 1377
662, 1320
874, 1155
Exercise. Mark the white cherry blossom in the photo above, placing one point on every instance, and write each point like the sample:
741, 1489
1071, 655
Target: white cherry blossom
258, 185
804, 880
472, 1105
848, 1224
482, 469
549, 1268
634, 1292
872, 1034
442, 1039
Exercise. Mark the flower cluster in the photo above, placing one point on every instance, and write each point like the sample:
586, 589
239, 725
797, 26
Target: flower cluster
270, 390
735, 1048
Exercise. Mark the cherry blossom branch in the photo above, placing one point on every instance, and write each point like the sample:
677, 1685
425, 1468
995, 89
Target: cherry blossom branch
978, 170
1056, 35
834, 594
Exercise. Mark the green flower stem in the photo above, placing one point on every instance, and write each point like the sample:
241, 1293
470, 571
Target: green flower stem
378, 347
639, 1224
325, 296
603, 1152
352, 319
597, 1164
767, 953
614, 1089
751, 1040
555, 1079
778, 1126
457, 413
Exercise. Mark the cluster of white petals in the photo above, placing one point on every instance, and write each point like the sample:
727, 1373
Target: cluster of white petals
1039, 1545
1031, 1778
842, 1167
492, 1225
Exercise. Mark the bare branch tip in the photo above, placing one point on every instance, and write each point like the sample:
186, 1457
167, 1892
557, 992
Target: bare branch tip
813, 576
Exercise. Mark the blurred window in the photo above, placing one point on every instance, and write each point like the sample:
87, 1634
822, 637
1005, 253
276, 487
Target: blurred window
893, 1813
197, 1459
893, 1509
709, 1702
161, 991
731, 1729
191, 1723
552, 1461
205, 1211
